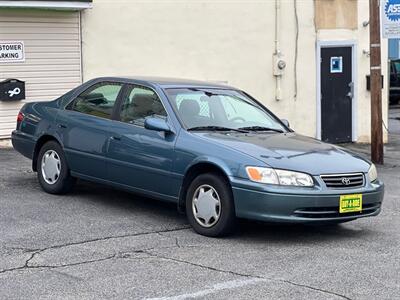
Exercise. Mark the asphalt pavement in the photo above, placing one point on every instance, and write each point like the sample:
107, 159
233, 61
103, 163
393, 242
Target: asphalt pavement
99, 243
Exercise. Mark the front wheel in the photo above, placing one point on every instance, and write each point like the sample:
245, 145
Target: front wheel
53, 172
209, 205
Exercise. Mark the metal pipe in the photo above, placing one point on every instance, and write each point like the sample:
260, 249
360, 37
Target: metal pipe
278, 92
277, 15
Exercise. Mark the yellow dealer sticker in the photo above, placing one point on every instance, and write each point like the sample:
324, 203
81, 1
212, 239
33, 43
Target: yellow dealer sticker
350, 203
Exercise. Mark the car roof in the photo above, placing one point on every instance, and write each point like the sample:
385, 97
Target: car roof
165, 82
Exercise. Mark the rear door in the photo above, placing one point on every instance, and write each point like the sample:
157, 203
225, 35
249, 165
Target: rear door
85, 128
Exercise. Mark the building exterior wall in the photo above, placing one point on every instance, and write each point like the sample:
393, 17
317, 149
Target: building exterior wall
335, 14
225, 41
228, 41
52, 63
361, 37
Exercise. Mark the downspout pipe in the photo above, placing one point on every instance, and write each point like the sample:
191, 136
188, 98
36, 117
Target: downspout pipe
277, 53
277, 21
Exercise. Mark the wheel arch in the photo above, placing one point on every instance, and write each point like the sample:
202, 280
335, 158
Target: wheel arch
200, 167
39, 144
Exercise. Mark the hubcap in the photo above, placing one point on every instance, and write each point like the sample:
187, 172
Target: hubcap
206, 205
51, 166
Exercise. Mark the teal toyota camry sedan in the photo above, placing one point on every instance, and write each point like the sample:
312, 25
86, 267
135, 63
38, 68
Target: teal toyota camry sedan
213, 150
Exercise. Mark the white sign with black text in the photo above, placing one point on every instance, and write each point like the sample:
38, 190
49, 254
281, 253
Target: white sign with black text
12, 51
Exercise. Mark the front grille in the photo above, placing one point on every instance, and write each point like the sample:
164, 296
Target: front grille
343, 181
333, 212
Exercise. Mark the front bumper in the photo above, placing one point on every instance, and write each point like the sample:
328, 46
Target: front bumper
301, 205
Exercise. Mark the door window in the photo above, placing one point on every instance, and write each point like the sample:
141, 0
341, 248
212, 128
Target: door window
98, 100
141, 102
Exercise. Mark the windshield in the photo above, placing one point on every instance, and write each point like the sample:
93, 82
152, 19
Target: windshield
220, 108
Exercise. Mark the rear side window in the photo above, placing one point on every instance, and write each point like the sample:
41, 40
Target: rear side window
98, 100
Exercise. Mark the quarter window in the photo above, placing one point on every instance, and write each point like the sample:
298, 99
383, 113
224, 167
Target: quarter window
98, 100
140, 103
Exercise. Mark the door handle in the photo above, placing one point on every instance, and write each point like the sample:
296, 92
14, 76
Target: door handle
116, 138
350, 94
62, 126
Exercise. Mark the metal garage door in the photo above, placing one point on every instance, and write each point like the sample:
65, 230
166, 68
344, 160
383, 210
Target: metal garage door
52, 57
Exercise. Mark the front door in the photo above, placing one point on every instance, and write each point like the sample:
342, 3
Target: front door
336, 94
140, 158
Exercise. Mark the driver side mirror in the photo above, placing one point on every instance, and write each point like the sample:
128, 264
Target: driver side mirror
156, 124
285, 122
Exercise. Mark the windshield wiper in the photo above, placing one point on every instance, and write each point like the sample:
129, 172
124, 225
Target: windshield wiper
216, 128
209, 94
261, 128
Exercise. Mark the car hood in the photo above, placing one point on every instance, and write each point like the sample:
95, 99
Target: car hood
292, 151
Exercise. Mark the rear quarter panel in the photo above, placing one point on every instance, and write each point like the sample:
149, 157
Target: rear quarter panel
39, 120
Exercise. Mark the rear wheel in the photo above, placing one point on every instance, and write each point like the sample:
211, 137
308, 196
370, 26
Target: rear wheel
53, 172
209, 205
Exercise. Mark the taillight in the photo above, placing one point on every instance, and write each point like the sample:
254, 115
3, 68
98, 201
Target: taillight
20, 117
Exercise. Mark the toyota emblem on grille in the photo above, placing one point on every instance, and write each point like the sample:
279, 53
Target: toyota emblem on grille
346, 181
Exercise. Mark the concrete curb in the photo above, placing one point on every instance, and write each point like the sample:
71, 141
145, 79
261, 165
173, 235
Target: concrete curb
5, 143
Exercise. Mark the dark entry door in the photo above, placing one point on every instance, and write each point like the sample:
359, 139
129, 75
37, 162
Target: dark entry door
336, 94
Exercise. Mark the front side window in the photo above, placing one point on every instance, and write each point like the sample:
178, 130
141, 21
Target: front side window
220, 108
139, 103
98, 100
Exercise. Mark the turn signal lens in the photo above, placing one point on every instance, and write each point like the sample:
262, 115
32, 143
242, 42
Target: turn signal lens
280, 177
264, 175
372, 173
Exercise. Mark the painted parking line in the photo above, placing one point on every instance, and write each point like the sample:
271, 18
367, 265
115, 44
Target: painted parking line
228, 285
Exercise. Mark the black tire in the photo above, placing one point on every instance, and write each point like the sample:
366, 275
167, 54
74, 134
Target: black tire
226, 221
64, 182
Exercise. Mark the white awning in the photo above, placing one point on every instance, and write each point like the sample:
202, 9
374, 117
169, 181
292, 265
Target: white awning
59, 5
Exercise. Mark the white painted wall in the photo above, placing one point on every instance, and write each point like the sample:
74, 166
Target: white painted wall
222, 40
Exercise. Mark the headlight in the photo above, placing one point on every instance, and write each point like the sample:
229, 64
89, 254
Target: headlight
281, 177
372, 173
